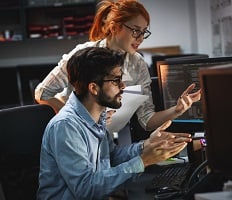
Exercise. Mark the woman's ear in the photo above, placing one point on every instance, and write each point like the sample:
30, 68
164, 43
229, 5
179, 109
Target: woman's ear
93, 88
114, 27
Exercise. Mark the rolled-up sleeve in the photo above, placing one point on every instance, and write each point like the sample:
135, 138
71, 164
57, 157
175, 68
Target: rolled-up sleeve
56, 82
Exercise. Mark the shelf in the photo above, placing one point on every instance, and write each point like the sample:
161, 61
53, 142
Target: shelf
45, 19
10, 4
57, 3
10, 25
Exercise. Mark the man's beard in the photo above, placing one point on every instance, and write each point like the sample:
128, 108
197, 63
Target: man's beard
105, 100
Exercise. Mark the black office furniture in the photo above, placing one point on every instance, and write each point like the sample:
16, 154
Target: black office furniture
29, 77
10, 93
20, 140
18, 83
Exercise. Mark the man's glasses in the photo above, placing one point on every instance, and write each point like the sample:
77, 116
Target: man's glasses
116, 81
137, 33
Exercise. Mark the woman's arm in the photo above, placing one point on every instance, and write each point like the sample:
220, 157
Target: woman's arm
183, 104
55, 103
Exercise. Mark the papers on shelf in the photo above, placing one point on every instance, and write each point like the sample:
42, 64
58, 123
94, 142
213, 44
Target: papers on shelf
131, 100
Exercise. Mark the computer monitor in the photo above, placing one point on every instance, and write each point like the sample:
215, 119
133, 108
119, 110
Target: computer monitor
154, 74
137, 132
216, 85
157, 58
174, 76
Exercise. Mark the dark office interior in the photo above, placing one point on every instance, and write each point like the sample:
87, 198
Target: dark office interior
27, 26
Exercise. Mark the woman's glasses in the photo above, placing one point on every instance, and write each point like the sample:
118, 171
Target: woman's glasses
137, 33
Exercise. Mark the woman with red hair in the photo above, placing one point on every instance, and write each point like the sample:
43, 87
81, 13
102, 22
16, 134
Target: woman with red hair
118, 25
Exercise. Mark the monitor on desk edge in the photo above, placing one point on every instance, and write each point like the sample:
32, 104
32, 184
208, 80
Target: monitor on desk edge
174, 76
216, 85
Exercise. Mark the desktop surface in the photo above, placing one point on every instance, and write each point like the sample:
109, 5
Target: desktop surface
223, 195
143, 188
158, 180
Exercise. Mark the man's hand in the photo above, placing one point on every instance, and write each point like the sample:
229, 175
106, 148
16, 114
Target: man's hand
162, 145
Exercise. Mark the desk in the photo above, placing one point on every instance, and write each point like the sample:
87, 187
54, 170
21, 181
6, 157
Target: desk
136, 191
224, 195
211, 183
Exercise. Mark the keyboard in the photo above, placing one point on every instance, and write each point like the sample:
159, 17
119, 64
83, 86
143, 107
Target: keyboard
174, 177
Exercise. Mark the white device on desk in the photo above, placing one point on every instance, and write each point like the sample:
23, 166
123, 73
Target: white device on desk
225, 195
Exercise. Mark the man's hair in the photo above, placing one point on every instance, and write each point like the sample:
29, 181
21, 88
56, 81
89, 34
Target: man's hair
91, 64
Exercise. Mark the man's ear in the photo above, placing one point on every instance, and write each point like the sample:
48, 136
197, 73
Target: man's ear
93, 88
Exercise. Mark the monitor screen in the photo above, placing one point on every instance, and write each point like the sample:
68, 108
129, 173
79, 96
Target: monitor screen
174, 76
157, 58
154, 75
216, 85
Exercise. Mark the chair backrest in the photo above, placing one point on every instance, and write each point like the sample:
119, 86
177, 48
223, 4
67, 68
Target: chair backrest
10, 91
30, 76
21, 132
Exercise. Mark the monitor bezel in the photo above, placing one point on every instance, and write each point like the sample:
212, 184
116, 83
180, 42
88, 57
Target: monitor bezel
214, 61
217, 161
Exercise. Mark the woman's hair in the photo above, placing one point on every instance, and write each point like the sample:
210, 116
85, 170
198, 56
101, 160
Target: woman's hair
91, 64
119, 12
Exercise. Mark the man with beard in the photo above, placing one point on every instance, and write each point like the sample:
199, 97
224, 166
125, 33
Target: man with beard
78, 157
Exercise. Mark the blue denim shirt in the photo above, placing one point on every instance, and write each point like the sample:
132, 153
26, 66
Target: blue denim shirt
79, 159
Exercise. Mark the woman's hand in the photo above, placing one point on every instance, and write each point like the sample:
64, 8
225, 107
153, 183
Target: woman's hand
109, 114
186, 100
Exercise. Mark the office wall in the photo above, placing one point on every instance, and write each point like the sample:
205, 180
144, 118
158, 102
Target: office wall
180, 22
170, 23
204, 30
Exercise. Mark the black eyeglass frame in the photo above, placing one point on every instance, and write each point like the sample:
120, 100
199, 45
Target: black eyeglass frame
137, 33
115, 82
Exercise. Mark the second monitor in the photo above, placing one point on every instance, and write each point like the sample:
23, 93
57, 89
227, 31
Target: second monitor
174, 76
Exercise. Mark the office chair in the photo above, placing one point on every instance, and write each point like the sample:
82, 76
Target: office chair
30, 76
9, 87
20, 140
